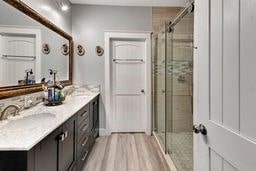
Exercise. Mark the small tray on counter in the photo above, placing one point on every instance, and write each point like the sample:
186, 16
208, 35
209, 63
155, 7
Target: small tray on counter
53, 102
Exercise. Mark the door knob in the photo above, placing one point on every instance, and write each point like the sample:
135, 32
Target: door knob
200, 129
196, 129
142, 91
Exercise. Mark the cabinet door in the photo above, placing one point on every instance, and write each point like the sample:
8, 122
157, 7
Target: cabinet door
67, 145
96, 118
46, 153
94, 114
91, 116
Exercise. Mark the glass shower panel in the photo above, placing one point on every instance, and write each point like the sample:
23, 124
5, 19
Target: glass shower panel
159, 87
179, 136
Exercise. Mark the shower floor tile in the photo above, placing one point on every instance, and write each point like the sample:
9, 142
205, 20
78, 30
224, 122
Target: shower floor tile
180, 148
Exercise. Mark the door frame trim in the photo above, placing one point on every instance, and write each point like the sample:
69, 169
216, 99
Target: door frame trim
109, 35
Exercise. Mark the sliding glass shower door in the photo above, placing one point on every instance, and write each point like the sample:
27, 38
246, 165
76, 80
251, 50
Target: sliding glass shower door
159, 81
173, 91
179, 136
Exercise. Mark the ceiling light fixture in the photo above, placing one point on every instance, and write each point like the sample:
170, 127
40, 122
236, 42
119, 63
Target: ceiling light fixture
64, 7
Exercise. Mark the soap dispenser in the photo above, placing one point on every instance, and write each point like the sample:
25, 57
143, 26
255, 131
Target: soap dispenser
29, 73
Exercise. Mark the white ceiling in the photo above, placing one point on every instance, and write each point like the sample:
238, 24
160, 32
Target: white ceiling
132, 2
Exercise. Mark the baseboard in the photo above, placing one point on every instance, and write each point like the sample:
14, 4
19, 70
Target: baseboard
166, 156
103, 132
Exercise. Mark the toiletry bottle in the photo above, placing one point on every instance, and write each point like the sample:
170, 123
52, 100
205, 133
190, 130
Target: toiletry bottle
56, 95
62, 96
50, 94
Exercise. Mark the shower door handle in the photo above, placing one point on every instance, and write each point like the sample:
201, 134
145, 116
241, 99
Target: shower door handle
200, 129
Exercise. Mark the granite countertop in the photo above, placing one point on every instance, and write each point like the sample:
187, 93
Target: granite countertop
23, 132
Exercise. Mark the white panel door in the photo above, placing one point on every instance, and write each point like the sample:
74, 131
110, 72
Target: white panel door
225, 89
13, 68
128, 84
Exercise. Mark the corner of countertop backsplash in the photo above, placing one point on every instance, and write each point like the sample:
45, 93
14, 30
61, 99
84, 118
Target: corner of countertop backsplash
89, 87
20, 100
38, 97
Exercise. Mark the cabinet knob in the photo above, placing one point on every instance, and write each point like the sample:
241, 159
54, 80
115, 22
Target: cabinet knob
66, 134
61, 137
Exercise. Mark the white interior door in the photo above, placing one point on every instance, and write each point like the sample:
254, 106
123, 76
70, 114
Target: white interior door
128, 86
13, 68
225, 81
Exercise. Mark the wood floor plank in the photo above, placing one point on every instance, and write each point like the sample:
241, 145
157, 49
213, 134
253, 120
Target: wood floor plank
144, 157
126, 152
132, 154
110, 154
98, 151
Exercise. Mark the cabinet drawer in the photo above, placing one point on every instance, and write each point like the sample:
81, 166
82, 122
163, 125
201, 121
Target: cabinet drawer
82, 159
83, 114
83, 129
82, 144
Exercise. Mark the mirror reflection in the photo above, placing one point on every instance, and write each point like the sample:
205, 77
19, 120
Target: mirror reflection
29, 50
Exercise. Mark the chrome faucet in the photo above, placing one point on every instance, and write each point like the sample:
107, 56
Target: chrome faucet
4, 113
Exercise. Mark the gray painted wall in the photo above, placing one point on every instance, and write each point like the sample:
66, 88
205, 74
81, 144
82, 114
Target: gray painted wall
88, 25
50, 10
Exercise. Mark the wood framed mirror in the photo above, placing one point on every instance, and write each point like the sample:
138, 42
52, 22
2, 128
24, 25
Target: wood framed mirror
25, 67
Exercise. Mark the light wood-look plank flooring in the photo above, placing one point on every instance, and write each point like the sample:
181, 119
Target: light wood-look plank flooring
126, 152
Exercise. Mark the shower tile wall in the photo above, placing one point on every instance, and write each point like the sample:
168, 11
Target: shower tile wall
161, 15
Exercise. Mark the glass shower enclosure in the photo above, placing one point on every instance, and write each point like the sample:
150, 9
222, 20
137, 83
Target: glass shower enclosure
173, 89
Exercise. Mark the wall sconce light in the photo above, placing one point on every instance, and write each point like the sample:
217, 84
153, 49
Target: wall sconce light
80, 50
99, 50
46, 48
65, 49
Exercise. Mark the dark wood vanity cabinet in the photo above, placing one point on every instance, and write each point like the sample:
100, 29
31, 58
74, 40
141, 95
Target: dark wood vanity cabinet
57, 151
88, 131
46, 153
66, 148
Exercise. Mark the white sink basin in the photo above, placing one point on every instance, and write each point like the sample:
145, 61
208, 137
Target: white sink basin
27, 123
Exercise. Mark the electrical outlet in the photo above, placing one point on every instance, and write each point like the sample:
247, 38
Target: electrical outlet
28, 102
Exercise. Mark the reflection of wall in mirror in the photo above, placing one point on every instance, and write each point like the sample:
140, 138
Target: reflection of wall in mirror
55, 59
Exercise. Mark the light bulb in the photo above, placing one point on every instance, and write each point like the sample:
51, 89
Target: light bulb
64, 8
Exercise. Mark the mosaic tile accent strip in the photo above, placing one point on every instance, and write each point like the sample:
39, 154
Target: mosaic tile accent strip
176, 68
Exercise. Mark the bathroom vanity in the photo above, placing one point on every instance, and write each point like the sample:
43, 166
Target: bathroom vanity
56, 138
